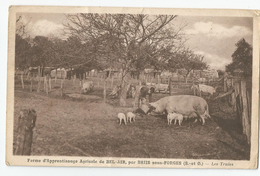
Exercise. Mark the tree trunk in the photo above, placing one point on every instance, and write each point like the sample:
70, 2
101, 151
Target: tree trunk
124, 85
123, 95
136, 103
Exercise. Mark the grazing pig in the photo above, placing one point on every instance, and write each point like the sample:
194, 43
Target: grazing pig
87, 86
161, 87
121, 117
182, 104
130, 116
204, 88
202, 80
174, 116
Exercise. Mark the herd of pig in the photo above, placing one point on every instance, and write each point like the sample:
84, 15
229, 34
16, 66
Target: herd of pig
130, 116
176, 107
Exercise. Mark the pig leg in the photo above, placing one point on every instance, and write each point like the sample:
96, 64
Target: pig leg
175, 121
203, 119
180, 121
125, 121
120, 121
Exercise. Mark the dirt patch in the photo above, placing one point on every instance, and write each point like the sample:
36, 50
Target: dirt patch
89, 127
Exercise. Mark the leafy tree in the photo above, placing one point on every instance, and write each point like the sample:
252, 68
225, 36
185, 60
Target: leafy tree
22, 52
241, 58
22, 45
185, 61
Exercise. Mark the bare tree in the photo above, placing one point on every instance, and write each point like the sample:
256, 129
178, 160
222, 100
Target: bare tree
126, 38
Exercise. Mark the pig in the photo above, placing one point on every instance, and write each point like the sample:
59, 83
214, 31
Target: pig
175, 117
87, 87
121, 117
130, 116
182, 104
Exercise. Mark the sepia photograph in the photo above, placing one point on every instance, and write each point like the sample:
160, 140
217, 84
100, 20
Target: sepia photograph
112, 88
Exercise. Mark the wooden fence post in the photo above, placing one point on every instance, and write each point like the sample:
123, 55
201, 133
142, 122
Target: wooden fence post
74, 78
238, 102
98, 80
26, 123
50, 83
225, 83
44, 84
61, 88
47, 85
22, 79
31, 87
249, 104
56, 76
245, 115
170, 85
39, 84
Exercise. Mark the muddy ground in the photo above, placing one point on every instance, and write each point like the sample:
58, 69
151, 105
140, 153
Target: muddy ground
86, 126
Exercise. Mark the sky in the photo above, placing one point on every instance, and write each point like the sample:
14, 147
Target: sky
212, 37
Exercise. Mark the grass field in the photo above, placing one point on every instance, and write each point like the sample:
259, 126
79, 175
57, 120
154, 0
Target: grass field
86, 126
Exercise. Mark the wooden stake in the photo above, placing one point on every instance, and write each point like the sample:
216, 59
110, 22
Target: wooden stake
39, 84
31, 87
47, 86
50, 84
74, 78
56, 76
61, 88
44, 84
22, 80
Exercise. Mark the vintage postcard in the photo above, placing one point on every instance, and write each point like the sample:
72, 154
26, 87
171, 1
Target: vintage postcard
132, 87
